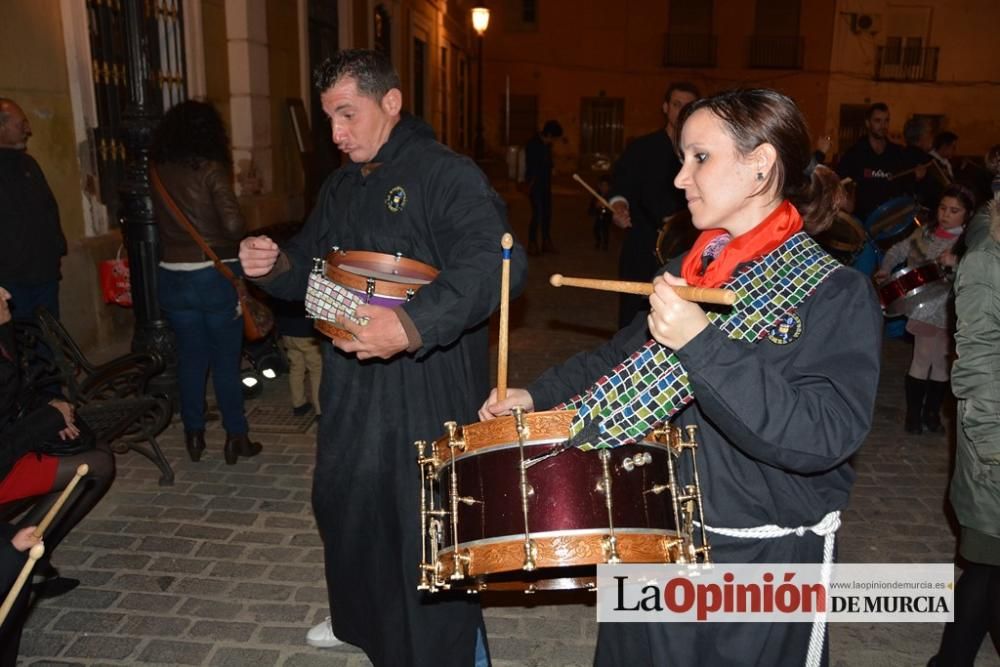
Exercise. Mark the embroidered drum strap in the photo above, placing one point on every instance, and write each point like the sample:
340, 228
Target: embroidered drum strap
326, 300
651, 386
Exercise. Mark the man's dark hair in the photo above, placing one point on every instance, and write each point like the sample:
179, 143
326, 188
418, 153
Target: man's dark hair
552, 128
944, 139
371, 70
684, 87
878, 106
5, 102
191, 133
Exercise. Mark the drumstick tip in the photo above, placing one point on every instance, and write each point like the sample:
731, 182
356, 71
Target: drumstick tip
37, 551
556, 280
507, 241
82, 469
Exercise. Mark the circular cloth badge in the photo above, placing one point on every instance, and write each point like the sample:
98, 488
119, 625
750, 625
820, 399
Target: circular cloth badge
786, 329
396, 199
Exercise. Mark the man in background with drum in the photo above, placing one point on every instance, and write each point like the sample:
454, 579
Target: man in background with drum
871, 163
643, 195
406, 371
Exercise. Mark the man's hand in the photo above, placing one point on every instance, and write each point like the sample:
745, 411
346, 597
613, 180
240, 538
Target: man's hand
4, 306
620, 214
258, 255
516, 398
383, 337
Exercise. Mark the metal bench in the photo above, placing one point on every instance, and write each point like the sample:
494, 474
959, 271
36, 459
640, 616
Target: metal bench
111, 397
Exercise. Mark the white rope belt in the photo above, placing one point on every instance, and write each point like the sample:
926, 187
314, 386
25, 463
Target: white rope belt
827, 529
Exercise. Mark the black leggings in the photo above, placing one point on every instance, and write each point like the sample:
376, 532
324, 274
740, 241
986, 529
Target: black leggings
88, 492
977, 612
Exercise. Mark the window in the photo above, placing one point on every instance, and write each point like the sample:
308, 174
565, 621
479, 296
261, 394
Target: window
690, 41
382, 30
601, 132
776, 42
520, 15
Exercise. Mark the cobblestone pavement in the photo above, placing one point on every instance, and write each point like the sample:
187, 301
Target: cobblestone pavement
224, 568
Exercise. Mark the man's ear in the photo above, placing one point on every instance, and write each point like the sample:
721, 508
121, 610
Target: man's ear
392, 102
666, 108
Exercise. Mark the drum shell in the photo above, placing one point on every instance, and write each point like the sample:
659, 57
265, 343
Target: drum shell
893, 221
844, 239
676, 236
910, 285
568, 514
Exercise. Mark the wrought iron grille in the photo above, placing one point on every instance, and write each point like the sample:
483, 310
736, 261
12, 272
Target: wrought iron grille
689, 50
906, 63
109, 63
776, 51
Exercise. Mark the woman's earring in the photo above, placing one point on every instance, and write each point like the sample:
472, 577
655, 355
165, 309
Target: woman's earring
760, 176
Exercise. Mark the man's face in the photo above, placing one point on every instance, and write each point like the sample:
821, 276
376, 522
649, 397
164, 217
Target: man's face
678, 100
878, 125
359, 124
15, 131
948, 150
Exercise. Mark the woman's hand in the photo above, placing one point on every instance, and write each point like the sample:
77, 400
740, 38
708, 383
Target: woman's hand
69, 416
516, 398
672, 320
880, 275
25, 538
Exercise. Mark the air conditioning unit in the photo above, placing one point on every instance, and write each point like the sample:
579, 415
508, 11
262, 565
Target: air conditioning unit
866, 24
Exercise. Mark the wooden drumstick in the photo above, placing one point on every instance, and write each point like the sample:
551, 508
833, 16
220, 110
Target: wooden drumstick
716, 295
597, 195
911, 170
81, 470
33, 556
507, 242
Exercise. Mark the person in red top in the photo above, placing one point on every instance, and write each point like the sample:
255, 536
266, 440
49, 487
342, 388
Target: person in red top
26, 420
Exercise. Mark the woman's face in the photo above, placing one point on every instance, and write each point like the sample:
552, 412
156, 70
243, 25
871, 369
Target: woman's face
717, 180
951, 213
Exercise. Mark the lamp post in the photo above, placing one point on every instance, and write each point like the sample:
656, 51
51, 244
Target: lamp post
480, 21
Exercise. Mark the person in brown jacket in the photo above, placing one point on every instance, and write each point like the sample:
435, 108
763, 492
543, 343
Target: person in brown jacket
191, 155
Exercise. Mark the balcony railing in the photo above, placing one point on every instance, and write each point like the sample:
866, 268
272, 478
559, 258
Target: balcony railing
776, 51
689, 50
906, 64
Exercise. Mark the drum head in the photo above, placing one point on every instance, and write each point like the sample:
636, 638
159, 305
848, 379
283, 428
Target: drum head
844, 238
893, 221
676, 236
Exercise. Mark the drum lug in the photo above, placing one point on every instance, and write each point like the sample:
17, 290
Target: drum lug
609, 545
455, 440
530, 553
369, 289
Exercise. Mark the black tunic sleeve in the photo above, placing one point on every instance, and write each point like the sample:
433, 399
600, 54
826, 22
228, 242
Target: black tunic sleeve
466, 221
812, 411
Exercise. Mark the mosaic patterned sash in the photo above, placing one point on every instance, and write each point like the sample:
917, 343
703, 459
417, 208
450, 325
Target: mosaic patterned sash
651, 386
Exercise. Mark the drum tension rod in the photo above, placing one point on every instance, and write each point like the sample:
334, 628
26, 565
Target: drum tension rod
455, 442
610, 542
530, 551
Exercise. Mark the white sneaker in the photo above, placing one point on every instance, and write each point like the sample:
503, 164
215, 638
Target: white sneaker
321, 635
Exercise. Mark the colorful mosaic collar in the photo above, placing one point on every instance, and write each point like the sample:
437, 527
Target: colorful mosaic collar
651, 386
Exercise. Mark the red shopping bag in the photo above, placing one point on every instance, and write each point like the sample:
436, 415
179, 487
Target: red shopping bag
115, 284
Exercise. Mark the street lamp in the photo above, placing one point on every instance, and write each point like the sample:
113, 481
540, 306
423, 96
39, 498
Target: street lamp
480, 21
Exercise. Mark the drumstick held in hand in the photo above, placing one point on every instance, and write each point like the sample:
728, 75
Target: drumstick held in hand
911, 170
716, 295
81, 470
597, 195
507, 242
33, 556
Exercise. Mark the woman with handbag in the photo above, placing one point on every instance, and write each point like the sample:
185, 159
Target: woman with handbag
200, 227
42, 443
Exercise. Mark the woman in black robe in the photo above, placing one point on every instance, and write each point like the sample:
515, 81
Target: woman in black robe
781, 401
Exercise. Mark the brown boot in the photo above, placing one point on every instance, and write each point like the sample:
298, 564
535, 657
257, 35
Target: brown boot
238, 445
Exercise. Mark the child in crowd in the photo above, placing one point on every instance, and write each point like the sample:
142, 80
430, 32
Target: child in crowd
927, 379
302, 346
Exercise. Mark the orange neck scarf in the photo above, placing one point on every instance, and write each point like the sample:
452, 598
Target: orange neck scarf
775, 229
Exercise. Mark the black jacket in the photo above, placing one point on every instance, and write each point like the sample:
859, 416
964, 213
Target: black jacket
31, 239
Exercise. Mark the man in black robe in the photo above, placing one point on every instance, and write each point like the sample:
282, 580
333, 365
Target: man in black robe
408, 370
643, 195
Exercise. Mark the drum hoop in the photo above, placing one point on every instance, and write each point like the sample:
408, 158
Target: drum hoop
576, 532
899, 273
893, 311
386, 264
856, 228
879, 228
490, 449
